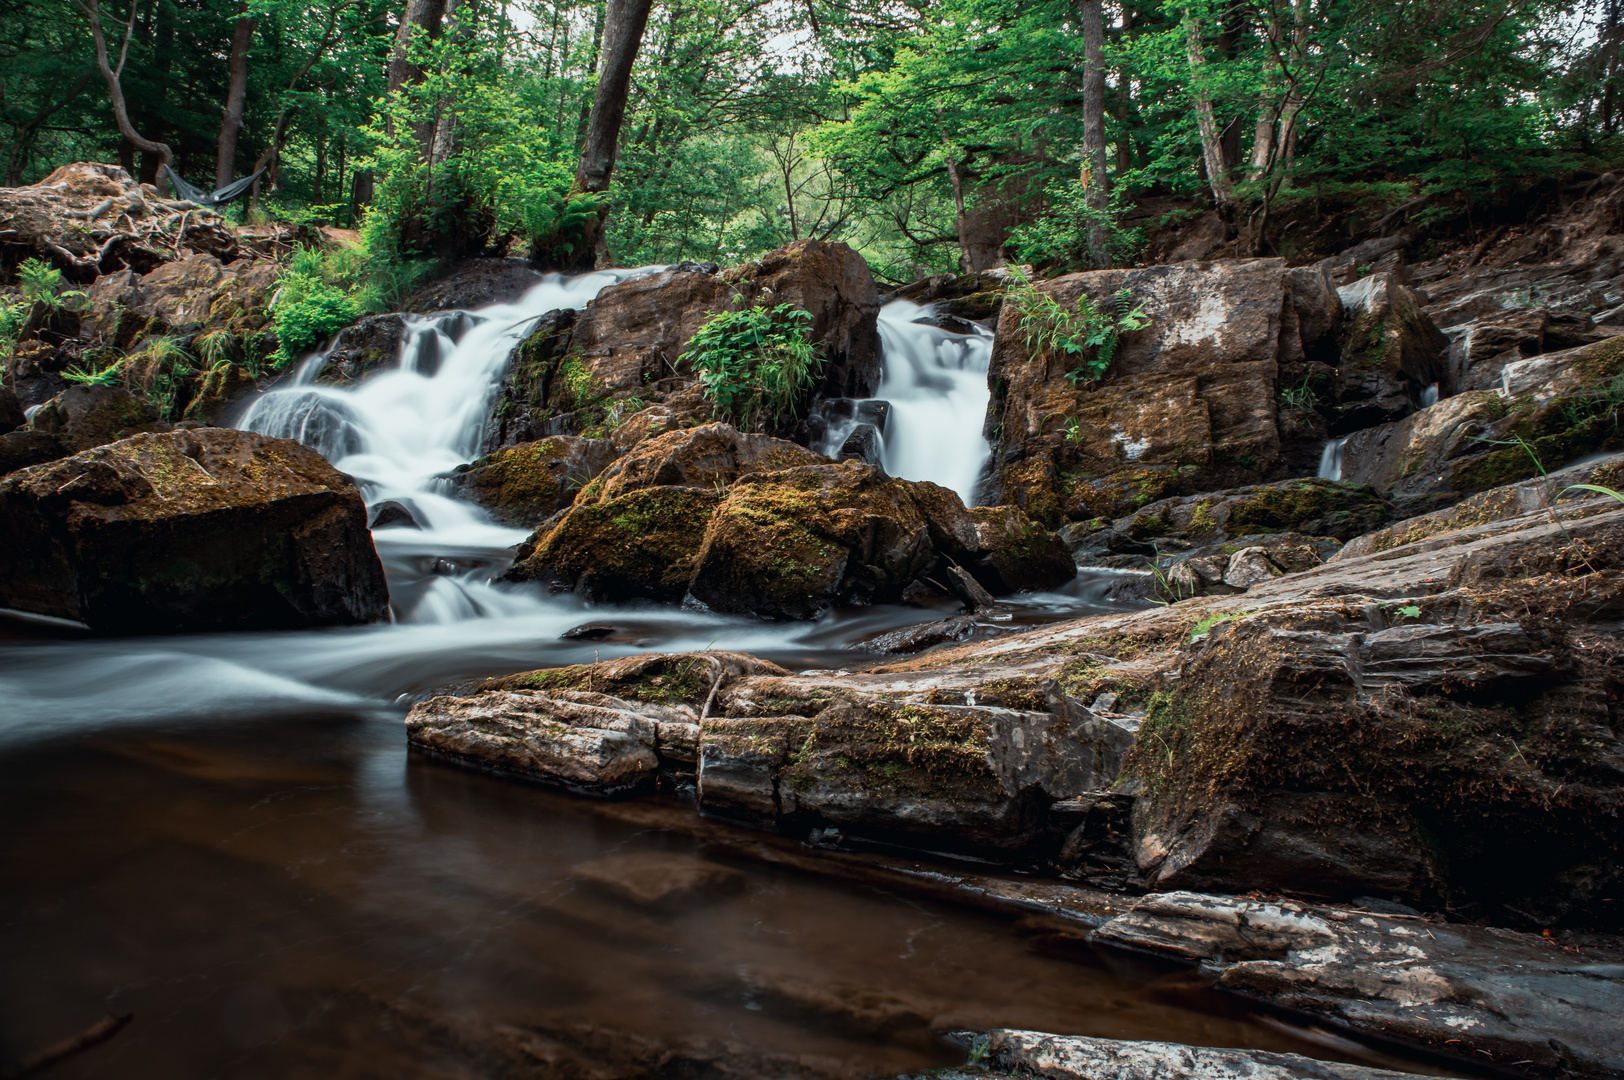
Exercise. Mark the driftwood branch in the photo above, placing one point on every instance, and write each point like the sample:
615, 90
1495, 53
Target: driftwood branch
93, 1036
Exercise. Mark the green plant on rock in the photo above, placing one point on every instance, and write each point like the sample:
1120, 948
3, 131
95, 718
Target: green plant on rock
41, 283
756, 364
93, 376
557, 221
215, 348
1086, 339
12, 317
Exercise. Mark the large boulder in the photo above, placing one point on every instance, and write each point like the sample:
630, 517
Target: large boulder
77, 419
190, 530
1188, 404
181, 297
717, 516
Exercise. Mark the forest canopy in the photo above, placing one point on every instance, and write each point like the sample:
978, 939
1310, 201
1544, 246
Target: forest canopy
961, 133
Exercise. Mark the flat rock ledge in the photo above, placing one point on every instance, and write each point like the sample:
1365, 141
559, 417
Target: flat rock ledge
1005, 1052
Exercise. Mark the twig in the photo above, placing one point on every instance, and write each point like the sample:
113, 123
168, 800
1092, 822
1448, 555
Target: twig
93, 1036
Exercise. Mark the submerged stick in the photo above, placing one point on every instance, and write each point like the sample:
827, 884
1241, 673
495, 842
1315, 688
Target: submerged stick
93, 1036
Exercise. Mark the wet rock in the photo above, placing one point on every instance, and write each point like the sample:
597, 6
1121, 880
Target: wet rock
1335, 508
392, 515
11, 412
1492, 996
660, 881
473, 284
912, 639
1013, 553
362, 348
579, 740
528, 403
1393, 352
863, 444
525, 484
1189, 403
85, 416
190, 530
964, 585
1098, 827
830, 416
642, 545
1560, 404
1014, 1053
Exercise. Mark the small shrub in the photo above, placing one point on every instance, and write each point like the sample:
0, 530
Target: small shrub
756, 364
1086, 338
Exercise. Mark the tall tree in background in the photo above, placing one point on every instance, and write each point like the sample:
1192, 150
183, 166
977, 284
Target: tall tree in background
624, 24
225, 167
1096, 178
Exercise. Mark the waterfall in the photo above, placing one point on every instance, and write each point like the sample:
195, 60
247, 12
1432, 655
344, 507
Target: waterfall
401, 432
1331, 459
936, 384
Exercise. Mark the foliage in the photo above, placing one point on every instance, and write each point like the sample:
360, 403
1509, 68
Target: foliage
12, 316
38, 281
91, 376
556, 221
1059, 237
1087, 336
755, 364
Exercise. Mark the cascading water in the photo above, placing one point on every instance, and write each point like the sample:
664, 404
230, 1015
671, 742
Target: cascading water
1331, 459
936, 385
402, 431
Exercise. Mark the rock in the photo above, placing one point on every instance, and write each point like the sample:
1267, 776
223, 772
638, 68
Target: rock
1340, 509
82, 417
578, 740
661, 881
1188, 403
710, 456
1011, 1053
1248, 567
863, 444
190, 530
1013, 553
592, 372
1559, 404
362, 348
964, 585
912, 639
642, 545
20, 449
180, 298
11, 412
1392, 354
973, 297
474, 284
1493, 997
392, 515
1496, 504
954, 778
524, 485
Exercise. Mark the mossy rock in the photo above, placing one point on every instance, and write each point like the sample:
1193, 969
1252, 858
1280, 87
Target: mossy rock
638, 546
525, 484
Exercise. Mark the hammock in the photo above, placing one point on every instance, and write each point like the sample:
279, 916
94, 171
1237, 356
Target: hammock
187, 193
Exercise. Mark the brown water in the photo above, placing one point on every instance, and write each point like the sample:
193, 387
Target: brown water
302, 897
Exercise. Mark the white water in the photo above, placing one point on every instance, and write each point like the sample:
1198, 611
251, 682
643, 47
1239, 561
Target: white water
936, 382
404, 429
1331, 459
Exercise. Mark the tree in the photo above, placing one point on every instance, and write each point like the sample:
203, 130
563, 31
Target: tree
114, 76
225, 167
624, 25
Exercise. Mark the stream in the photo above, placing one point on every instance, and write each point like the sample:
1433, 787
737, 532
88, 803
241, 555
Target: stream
225, 834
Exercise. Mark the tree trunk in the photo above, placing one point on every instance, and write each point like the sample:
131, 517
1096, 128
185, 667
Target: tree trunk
1096, 178
24, 135
1212, 151
112, 75
225, 163
591, 72
623, 36
420, 17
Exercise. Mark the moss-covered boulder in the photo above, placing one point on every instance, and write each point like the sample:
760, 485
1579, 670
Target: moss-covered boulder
638, 546
524, 485
190, 530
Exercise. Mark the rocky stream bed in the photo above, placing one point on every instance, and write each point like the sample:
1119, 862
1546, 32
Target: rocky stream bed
1327, 734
